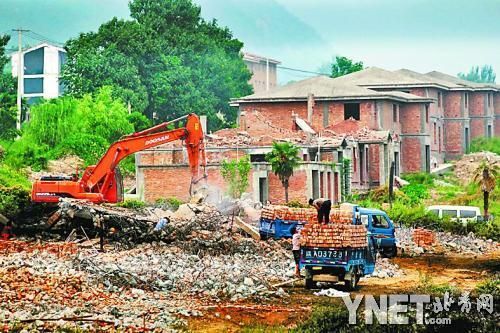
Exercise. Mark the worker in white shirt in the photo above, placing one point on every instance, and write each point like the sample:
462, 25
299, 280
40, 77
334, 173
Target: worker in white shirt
323, 206
296, 249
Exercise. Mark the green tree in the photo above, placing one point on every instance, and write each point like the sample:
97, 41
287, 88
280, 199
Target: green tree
235, 173
343, 66
8, 95
167, 61
485, 175
284, 159
485, 74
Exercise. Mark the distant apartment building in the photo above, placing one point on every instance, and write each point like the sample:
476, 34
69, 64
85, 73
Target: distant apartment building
264, 75
42, 71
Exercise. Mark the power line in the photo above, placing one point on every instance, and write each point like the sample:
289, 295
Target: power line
302, 70
43, 38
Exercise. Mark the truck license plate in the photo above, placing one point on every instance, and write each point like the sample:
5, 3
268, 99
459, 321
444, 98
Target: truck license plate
324, 254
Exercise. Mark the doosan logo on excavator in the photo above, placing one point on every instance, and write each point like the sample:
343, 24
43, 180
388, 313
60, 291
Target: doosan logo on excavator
156, 140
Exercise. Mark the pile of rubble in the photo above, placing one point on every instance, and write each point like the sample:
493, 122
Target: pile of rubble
196, 258
468, 164
445, 242
384, 268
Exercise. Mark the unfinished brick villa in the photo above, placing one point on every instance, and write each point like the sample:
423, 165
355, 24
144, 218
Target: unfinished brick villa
370, 118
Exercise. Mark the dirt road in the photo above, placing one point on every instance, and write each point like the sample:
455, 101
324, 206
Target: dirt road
457, 271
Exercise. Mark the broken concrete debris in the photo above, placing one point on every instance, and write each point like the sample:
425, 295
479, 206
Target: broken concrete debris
444, 242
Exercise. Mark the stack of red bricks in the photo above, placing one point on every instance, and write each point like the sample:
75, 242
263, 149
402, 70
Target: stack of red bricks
333, 235
307, 215
423, 237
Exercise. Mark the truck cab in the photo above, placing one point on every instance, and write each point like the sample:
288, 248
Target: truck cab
380, 229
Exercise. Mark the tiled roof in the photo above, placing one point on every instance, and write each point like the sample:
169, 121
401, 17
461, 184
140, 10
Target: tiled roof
325, 88
465, 83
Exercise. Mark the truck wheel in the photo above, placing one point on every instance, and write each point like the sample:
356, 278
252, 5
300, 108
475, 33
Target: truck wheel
310, 284
391, 252
352, 282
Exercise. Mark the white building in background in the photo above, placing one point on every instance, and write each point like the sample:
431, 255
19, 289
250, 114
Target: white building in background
264, 73
42, 71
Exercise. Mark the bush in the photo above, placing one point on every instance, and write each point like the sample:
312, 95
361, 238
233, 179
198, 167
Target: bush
416, 193
88, 147
416, 216
10, 177
171, 203
485, 144
423, 178
24, 153
490, 286
132, 204
13, 200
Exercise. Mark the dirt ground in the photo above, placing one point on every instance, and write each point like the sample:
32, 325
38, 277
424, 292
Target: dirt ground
458, 271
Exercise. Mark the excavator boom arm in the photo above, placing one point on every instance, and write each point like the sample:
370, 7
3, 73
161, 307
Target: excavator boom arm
192, 133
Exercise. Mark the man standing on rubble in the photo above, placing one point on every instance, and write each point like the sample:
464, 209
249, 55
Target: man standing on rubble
296, 249
323, 206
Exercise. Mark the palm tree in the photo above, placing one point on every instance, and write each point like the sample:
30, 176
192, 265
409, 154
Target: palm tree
284, 159
485, 175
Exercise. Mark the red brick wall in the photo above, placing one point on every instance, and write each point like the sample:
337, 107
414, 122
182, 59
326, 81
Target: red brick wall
411, 155
410, 118
281, 113
476, 108
452, 104
374, 163
453, 137
296, 191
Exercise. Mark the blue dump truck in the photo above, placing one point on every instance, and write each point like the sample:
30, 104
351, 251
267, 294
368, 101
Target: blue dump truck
337, 264
379, 226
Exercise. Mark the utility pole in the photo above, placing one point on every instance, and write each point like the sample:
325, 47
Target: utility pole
20, 74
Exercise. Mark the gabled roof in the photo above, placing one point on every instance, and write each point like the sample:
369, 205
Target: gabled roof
325, 88
374, 77
458, 81
430, 79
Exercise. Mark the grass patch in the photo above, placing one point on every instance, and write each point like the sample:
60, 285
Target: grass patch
485, 144
132, 204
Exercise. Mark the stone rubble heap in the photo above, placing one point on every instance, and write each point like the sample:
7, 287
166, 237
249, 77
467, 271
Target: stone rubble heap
199, 258
445, 242
384, 268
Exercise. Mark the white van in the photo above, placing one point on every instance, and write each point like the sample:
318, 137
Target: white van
457, 213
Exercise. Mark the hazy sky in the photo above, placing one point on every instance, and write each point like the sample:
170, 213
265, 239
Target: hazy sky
424, 35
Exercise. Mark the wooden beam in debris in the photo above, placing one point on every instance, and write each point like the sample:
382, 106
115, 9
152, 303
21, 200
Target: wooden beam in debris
251, 230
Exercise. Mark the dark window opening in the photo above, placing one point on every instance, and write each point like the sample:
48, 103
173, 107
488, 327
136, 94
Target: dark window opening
489, 99
315, 183
396, 163
435, 133
440, 99
466, 100
427, 158
426, 113
490, 132
33, 86
340, 156
466, 140
33, 61
263, 190
257, 158
351, 110
439, 138
395, 113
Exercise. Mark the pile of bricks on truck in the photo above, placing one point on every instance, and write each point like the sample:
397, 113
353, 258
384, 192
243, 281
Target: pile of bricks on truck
305, 215
333, 235
423, 237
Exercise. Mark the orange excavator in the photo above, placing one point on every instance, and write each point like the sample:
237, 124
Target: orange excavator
102, 182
